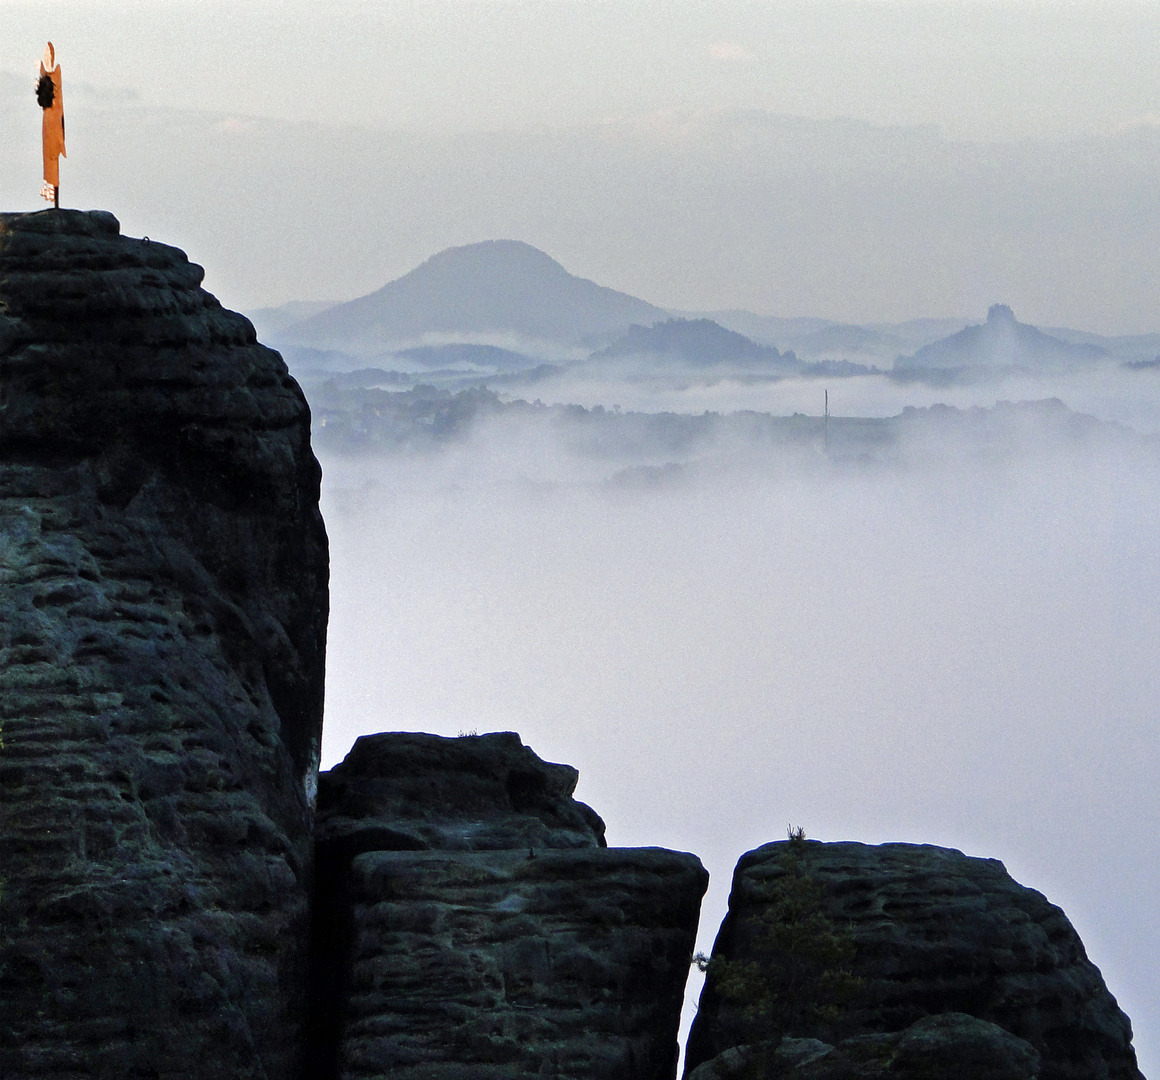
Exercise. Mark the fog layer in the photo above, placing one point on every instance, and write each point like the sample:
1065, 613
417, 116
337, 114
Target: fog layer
949, 645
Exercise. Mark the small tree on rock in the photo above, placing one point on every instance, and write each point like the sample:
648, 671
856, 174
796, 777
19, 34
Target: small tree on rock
796, 975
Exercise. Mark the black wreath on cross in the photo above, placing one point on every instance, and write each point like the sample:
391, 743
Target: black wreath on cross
45, 92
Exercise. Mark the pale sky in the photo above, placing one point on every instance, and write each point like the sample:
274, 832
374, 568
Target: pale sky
976, 68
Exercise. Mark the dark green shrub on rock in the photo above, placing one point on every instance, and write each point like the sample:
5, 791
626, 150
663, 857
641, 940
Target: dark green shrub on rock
795, 974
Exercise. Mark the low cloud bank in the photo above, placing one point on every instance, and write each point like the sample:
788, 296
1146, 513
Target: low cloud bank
1110, 392
951, 640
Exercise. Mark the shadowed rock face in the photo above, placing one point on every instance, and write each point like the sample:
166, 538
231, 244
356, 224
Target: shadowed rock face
934, 932
950, 1046
495, 965
410, 791
163, 601
470, 922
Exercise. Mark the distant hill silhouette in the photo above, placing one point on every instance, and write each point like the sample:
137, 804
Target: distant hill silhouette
1001, 342
499, 287
846, 338
824, 339
699, 342
268, 322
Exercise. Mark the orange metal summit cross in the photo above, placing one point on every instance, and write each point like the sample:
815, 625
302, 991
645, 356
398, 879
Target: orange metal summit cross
51, 100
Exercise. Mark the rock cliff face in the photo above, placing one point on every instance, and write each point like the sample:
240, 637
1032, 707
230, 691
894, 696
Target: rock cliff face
164, 574
473, 924
932, 932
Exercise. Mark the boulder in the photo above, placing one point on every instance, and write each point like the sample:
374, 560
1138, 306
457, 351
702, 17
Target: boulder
405, 790
472, 923
954, 1046
932, 932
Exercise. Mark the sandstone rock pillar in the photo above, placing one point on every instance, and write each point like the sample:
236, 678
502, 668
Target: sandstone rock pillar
960, 971
163, 604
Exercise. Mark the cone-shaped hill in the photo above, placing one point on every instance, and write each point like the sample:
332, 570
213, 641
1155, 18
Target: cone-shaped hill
499, 287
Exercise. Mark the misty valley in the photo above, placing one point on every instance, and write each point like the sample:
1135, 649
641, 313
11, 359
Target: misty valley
636, 537
497, 345
647, 447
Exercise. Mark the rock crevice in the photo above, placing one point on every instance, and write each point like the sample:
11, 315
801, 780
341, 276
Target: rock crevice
471, 921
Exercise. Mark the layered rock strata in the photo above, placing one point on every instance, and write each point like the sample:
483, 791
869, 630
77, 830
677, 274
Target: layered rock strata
163, 574
400, 791
933, 932
473, 924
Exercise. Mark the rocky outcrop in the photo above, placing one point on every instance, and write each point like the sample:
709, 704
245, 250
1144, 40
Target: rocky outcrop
169, 906
471, 922
1001, 343
932, 932
408, 791
163, 568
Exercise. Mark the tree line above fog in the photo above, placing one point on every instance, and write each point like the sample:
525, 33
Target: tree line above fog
424, 419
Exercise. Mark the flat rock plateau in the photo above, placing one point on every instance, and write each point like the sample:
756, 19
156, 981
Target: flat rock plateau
183, 896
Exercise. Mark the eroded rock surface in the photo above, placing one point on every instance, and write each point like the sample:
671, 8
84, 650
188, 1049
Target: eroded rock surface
412, 791
934, 932
471, 922
163, 601
950, 1046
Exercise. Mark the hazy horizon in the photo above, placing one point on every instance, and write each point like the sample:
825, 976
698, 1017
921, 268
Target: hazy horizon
977, 69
